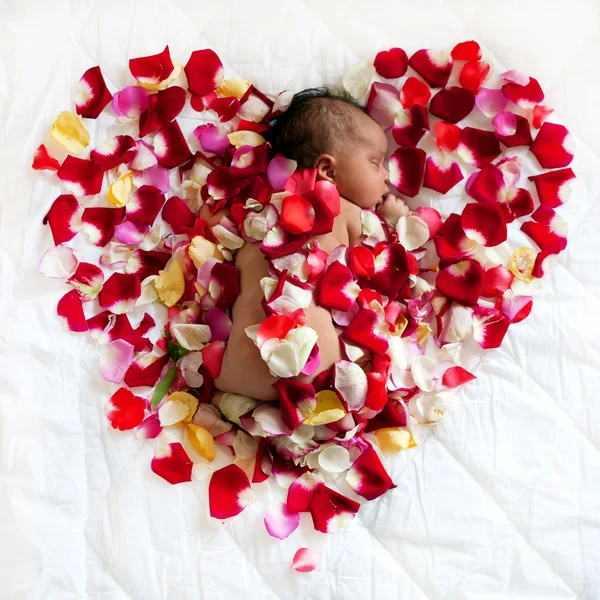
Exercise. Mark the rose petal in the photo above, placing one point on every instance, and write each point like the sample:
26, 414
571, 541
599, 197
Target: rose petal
204, 72
473, 74
99, 223
162, 108
455, 376
170, 147
442, 173
331, 511
280, 522
554, 187
115, 359
410, 125
490, 101
540, 114
477, 146
43, 161
469, 50
145, 371
80, 176
368, 477
414, 91
229, 492
524, 96
144, 205
391, 63
489, 327
87, 280
452, 104
173, 464
70, 308
434, 66
393, 439
152, 69
113, 152
124, 410
361, 332
521, 135
350, 382
384, 104
212, 138
92, 94
58, 262
553, 146
337, 288
304, 561
70, 132
406, 166
484, 223
462, 282
119, 293
297, 215
130, 102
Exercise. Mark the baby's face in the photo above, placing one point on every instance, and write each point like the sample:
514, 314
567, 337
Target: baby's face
361, 175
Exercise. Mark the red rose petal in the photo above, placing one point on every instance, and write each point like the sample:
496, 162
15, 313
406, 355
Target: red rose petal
434, 66
521, 137
470, 50
120, 292
124, 410
80, 176
525, 96
293, 395
92, 94
144, 205
99, 223
144, 263
361, 331
152, 69
367, 476
554, 188
414, 91
442, 173
447, 136
406, 166
473, 74
42, 161
484, 223
330, 510
462, 281
337, 288
175, 466
410, 125
547, 257
391, 269
392, 63
362, 261
540, 114
325, 200
489, 327
228, 492
142, 374
87, 280
431, 217
553, 146
170, 147
477, 146
221, 184
455, 376
64, 218
452, 104
113, 152
225, 108
70, 308
162, 108
204, 72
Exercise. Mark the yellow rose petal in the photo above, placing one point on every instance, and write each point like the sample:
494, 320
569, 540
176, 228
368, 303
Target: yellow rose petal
119, 192
245, 138
235, 88
423, 332
202, 441
522, 262
170, 284
393, 439
70, 131
201, 249
190, 401
329, 409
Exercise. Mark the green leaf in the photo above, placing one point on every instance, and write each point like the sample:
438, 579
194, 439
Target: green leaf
175, 351
163, 387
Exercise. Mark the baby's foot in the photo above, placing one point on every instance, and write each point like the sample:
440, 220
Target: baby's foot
392, 208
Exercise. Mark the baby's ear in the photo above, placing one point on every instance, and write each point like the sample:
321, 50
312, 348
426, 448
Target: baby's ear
326, 167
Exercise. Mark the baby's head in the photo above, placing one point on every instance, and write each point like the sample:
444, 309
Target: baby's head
335, 135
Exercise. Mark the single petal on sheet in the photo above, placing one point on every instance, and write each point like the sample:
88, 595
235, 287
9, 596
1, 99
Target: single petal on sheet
393, 439
455, 376
280, 522
410, 125
547, 257
505, 123
70, 131
516, 308
153, 69
554, 187
434, 66
331, 511
204, 72
202, 441
553, 146
80, 176
69, 307
144, 205
119, 293
447, 136
304, 561
368, 477
92, 94
521, 135
391, 63
357, 79
172, 463
58, 262
42, 161
124, 410
229, 492
469, 50
462, 281
452, 104
145, 371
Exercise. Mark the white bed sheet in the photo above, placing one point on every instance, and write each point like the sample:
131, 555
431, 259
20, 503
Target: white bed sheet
501, 501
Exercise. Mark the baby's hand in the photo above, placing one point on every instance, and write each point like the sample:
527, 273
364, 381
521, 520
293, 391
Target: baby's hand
392, 208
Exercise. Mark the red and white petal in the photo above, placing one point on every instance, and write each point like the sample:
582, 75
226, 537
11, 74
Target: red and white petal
87, 280
414, 91
412, 232
485, 185
547, 257
368, 477
469, 50
280, 522
384, 104
64, 218
149, 428
304, 561
554, 187
406, 167
69, 307
547, 228
80, 176
42, 161
224, 286
119, 293
442, 172
302, 491
462, 281
92, 94
170, 147
391, 270
410, 125
116, 357
477, 146
229, 492
521, 135
225, 108
484, 223
204, 72
473, 74
489, 327
221, 184
553, 146
391, 63
145, 371
490, 101
337, 288
331, 511
516, 308
212, 358
144, 205
248, 160
452, 104
154, 69
455, 376
524, 96
350, 382
113, 152
547, 216
172, 463
124, 410
447, 136
540, 114
163, 107
130, 102
177, 214
362, 332
58, 262
434, 66
497, 280
279, 170
99, 223
297, 215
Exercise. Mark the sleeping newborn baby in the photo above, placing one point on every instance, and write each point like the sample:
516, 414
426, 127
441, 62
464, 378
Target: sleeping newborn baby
348, 148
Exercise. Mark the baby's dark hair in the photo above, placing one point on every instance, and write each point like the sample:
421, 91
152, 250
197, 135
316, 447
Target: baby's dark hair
314, 121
